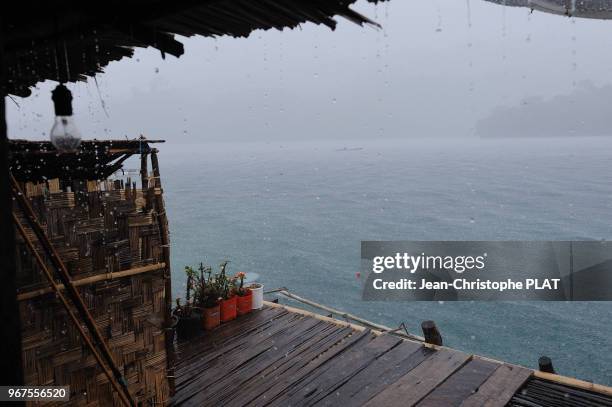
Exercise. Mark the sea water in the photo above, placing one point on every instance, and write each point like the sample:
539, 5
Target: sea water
294, 213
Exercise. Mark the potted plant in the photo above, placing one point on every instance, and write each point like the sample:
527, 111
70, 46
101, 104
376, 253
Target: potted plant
187, 314
208, 298
244, 295
227, 293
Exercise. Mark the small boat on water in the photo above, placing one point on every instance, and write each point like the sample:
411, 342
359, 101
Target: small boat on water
343, 149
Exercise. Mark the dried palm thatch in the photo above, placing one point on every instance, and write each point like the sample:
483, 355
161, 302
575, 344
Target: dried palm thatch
68, 41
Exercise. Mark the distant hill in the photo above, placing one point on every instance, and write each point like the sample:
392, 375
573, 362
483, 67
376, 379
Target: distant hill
585, 112
598, 9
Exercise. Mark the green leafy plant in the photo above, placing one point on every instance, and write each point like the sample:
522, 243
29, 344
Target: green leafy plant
226, 285
208, 290
190, 286
204, 289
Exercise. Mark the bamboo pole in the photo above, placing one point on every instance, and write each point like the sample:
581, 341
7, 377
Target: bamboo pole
117, 164
344, 315
62, 298
144, 179
359, 328
94, 279
165, 240
577, 383
65, 277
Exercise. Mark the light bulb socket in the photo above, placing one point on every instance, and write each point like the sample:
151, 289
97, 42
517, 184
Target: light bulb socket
62, 100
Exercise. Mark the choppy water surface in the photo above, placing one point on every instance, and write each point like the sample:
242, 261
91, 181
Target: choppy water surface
295, 214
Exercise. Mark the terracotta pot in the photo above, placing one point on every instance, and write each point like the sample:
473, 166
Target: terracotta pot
212, 317
245, 303
228, 309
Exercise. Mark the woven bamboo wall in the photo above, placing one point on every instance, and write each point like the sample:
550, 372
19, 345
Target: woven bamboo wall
97, 228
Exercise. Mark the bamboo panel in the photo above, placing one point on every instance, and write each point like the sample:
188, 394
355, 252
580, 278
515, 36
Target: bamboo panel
54, 185
98, 228
139, 219
61, 200
114, 195
34, 189
93, 186
91, 225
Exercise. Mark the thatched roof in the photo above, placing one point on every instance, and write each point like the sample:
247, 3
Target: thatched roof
68, 41
94, 159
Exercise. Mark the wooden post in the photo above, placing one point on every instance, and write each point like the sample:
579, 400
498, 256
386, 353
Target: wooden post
144, 179
10, 336
431, 333
165, 240
545, 365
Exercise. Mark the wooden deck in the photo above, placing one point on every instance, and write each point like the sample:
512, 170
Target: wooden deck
280, 357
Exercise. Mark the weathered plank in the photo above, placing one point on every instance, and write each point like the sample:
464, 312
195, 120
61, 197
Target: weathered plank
209, 353
279, 347
253, 320
230, 357
499, 388
383, 372
420, 381
342, 369
216, 354
291, 362
462, 384
278, 358
291, 384
196, 346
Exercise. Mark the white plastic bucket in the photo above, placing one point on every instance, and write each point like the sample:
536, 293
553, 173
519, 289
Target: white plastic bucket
257, 290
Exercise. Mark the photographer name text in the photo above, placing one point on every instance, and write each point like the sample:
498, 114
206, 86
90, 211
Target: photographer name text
552, 284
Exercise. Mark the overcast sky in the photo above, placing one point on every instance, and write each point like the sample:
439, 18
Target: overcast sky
437, 68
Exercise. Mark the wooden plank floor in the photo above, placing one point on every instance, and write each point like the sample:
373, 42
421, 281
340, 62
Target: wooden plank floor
278, 357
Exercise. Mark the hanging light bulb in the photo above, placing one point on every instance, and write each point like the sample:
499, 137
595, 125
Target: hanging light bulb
64, 134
